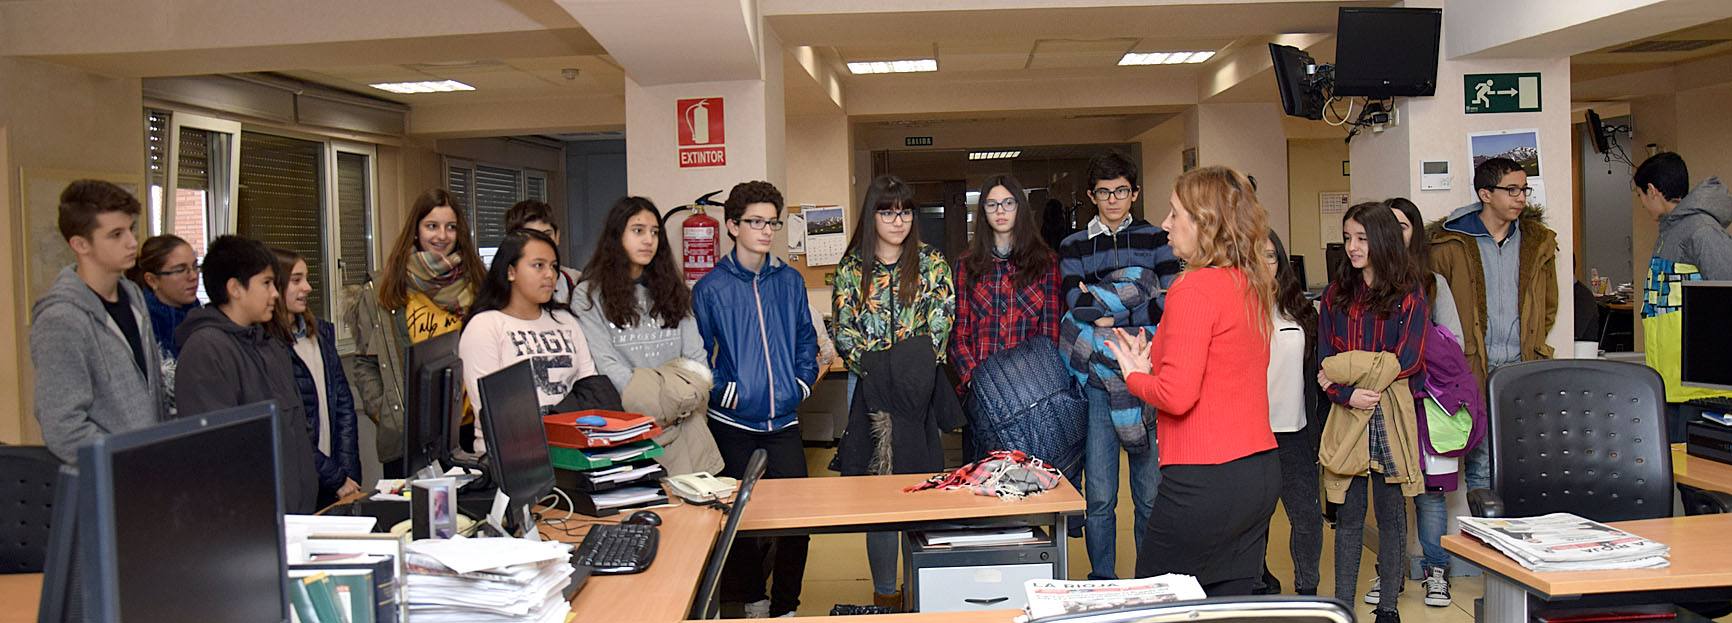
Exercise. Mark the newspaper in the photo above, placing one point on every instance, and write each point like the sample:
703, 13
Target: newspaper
1566, 542
1055, 597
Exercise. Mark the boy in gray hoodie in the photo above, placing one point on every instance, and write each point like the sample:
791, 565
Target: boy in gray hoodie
228, 360
1692, 246
98, 371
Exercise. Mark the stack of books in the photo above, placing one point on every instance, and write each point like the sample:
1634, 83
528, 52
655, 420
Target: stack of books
1566, 542
488, 580
606, 467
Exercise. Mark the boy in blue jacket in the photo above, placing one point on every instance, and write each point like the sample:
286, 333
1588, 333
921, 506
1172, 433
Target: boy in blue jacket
753, 313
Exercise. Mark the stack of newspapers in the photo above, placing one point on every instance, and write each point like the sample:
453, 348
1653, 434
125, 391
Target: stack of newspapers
1565, 542
1049, 598
489, 580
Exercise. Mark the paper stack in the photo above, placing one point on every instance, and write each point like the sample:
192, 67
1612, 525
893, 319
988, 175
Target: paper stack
1051, 598
488, 580
1566, 542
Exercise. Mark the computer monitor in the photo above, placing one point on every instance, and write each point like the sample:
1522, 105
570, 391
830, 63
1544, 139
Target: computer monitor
60, 594
183, 521
1334, 256
706, 605
433, 401
1300, 97
516, 442
1596, 130
1385, 52
1298, 264
1706, 357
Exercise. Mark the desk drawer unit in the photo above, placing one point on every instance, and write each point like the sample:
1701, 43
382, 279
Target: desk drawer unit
985, 587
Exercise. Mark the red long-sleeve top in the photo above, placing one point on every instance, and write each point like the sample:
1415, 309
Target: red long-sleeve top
1209, 381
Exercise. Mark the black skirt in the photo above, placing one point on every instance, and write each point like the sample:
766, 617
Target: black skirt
1212, 521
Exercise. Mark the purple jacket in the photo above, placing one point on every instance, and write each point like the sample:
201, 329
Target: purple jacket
1450, 382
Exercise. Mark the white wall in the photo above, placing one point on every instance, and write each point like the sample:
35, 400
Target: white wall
1313, 166
1606, 206
1250, 138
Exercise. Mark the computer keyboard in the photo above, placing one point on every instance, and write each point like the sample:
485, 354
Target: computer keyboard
618, 548
1717, 405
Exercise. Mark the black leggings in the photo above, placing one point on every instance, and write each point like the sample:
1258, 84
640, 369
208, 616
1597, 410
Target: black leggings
1391, 539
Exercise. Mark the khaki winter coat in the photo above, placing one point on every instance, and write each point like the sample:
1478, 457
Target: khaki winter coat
1346, 448
1455, 255
676, 395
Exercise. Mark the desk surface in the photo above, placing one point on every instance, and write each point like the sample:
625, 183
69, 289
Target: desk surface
1699, 554
1699, 472
664, 592
22, 593
866, 500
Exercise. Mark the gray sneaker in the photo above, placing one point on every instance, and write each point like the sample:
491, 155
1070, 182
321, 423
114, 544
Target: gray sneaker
759, 609
1436, 587
1375, 595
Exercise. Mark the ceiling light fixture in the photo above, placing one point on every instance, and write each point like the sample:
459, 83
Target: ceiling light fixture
430, 86
1165, 58
893, 67
994, 155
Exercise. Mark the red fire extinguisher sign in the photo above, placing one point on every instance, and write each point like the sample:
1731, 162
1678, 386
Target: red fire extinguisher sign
702, 133
699, 246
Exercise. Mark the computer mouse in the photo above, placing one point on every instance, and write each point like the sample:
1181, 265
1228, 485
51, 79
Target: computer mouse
591, 420
648, 518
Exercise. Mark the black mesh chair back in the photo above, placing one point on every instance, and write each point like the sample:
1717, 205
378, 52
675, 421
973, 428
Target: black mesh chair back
27, 476
1582, 436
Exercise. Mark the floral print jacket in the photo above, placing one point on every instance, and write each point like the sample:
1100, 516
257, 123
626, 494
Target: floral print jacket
864, 325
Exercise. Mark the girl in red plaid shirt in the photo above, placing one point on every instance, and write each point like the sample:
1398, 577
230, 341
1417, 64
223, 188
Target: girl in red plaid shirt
1007, 282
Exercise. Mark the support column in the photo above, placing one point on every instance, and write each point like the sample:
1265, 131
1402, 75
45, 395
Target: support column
1247, 137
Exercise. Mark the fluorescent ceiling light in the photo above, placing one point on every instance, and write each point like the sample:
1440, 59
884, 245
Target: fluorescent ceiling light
1165, 58
893, 67
994, 155
430, 86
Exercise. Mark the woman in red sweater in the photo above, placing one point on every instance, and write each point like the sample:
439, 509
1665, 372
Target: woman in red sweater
1206, 373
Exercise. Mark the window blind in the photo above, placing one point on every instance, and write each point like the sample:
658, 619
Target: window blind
282, 204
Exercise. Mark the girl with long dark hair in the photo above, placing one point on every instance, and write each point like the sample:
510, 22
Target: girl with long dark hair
636, 314
1007, 281
1371, 333
320, 378
515, 317
894, 307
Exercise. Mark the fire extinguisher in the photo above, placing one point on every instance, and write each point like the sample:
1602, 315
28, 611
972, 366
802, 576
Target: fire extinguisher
698, 238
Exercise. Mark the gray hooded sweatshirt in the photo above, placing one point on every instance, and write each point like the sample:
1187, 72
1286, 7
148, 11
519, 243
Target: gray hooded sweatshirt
87, 384
1695, 231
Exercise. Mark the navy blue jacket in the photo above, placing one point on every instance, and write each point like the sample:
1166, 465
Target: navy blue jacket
759, 339
345, 458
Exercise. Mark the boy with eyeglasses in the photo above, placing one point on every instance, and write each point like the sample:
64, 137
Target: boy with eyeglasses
757, 326
97, 373
1114, 274
1501, 264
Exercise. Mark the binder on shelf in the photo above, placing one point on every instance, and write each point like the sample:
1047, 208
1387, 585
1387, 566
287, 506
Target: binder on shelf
607, 503
643, 472
380, 573
621, 428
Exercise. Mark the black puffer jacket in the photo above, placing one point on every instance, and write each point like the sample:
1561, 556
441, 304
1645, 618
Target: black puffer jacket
344, 461
901, 403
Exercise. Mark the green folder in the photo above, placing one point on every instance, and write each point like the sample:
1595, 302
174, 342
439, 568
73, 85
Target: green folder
324, 596
361, 602
302, 602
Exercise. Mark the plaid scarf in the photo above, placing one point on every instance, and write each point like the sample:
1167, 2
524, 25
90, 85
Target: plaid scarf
435, 275
1009, 474
1091, 363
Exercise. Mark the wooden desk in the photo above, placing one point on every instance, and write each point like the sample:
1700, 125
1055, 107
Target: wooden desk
817, 505
1699, 472
665, 591
22, 594
1700, 551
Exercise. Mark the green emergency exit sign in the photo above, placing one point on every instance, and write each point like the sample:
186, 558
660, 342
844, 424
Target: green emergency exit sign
1491, 93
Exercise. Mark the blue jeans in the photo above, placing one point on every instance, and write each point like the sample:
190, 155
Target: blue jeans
1431, 517
1476, 469
1101, 487
883, 549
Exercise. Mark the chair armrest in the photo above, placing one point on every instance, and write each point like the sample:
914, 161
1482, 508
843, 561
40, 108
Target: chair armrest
1704, 502
1485, 503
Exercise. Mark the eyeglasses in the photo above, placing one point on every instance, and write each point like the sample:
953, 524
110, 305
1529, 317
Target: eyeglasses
1514, 191
891, 216
178, 271
1121, 193
758, 223
1008, 205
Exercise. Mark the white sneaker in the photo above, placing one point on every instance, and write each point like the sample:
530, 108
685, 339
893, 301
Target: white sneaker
759, 609
1436, 587
1375, 595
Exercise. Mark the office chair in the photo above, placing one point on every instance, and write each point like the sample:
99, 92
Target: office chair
28, 488
707, 606
1252, 609
1581, 436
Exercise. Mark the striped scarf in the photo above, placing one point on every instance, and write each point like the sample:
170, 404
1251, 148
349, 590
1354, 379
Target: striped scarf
1091, 363
435, 275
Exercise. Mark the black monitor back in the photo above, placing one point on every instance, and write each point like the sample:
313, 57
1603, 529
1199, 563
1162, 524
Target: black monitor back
429, 392
183, 522
705, 606
1386, 52
61, 599
1299, 98
516, 442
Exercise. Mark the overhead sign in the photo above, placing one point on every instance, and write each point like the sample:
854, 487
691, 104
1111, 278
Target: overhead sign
1493, 93
916, 141
702, 134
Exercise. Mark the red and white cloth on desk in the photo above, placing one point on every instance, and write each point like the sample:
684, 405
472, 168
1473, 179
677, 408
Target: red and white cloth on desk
1011, 474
